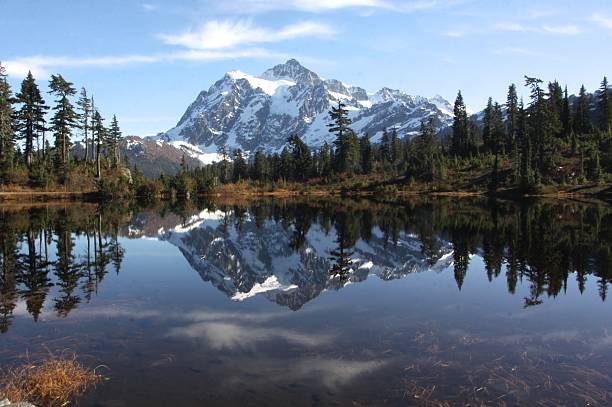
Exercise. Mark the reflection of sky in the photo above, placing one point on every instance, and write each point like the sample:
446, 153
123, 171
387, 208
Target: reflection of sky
158, 313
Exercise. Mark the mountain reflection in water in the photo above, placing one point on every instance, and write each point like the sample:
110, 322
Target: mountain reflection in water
292, 251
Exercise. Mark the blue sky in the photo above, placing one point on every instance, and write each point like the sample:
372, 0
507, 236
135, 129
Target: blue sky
147, 60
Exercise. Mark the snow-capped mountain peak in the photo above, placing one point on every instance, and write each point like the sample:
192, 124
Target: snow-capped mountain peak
260, 112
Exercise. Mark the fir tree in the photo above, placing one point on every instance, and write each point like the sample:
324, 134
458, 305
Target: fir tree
7, 135
511, 118
395, 149
462, 144
582, 124
300, 154
367, 159
30, 118
605, 109
566, 117
346, 156
240, 170
64, 119
85, 109
113, 140
98, 135
487, 125
427, 151
260, 167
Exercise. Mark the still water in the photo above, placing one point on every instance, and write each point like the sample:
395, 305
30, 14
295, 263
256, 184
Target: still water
320, 302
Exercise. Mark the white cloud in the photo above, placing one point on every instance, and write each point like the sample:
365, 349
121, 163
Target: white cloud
603, 20
225, 335
562, 29
514, 27
41, 65
319, 6
150, 7
455, 33
228, 34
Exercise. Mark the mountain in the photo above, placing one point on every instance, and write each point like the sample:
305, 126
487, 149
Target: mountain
154, 157
255, 257
260, 112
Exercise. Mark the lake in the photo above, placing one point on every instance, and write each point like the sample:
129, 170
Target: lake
429, 302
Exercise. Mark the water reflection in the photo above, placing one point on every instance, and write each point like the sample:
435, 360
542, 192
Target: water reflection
38, 255
292, 251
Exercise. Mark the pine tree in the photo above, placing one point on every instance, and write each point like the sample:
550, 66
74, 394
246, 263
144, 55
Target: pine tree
526, 178
7, 134
395, 149
30, 118
113, 140
98, 135
260, 167
511, 119
346, 144
85, 109
461, 141
542, 126
385, 147
487, 125
65, 118
300, 154
566, 117
582, 124
240, 170
427, 151
365, 148
605, 108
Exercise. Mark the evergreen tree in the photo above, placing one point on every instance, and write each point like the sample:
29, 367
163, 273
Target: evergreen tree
98, 135
566, 117
605, 109
487, 125
286, 164
113, 140
526, 178
30, 118
426, 152
511, 118
85, 109
325, 160
64, 119
240, 170
260, 167
365, 148
542, 127
346, 155
300, 154
395, 149
461, 142
7, 135
582, 124
385, 147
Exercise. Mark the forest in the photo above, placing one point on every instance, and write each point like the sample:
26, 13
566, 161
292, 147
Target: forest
552, 141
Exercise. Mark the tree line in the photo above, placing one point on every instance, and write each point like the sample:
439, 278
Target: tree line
551, 139
37, 150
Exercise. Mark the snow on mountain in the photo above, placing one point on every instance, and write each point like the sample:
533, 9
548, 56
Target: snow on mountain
258, 257
261, 112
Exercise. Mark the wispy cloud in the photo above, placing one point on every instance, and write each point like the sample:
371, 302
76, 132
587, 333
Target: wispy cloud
513, 26
603, 20
320, 6
558, 29
229, 34
150, 7
42, 65
568, 29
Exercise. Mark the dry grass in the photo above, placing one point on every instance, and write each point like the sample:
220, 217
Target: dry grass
53, 381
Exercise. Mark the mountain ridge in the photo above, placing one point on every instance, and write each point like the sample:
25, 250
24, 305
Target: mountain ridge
260, 112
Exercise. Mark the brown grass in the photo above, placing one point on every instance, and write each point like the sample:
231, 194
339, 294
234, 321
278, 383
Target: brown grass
54, 381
